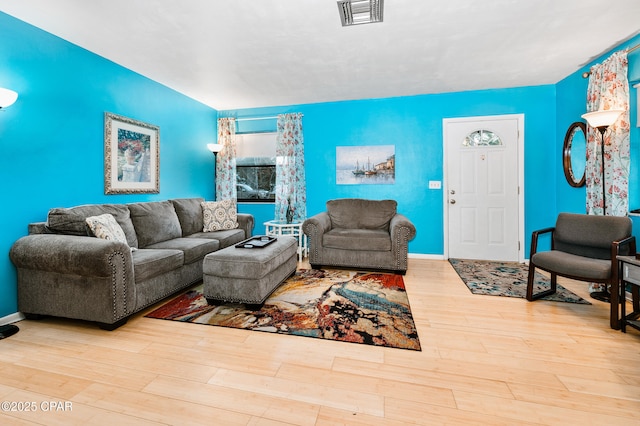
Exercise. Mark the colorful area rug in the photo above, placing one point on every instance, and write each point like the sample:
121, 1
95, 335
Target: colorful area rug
357, 307
507, 279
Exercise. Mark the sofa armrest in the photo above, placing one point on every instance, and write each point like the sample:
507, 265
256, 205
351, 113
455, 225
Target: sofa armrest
314, 228
401, 229
70, 254
534, 239
317, 225
246, 222
74, 277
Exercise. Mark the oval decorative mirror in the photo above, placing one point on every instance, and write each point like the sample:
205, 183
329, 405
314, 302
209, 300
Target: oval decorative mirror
574, 154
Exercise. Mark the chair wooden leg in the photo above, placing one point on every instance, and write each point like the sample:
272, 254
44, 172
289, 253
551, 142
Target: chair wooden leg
623, 308
531, 280
614, 306
530, 276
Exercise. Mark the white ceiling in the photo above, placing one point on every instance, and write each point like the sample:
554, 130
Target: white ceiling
252, 53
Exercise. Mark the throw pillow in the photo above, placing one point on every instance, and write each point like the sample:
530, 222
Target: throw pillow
219, 215
105, 226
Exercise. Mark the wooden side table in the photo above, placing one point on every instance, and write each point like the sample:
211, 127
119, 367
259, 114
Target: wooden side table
294, 229
630, 274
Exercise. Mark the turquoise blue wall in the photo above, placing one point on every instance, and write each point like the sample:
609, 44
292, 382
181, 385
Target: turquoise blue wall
570, 105
51, 139
414, 126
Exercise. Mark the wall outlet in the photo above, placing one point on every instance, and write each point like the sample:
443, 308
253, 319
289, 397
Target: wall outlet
435, 184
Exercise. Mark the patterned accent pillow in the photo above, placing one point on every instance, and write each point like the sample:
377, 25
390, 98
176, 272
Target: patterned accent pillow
105, 226
219, 215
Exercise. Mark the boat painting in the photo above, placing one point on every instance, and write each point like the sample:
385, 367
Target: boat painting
371, 164
358, 170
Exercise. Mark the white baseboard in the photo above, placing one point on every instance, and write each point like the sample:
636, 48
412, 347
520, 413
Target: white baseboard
440, 257
9, 319
425, 256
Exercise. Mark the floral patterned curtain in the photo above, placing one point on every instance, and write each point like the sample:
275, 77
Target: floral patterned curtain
609, 89
226, 160
291, 187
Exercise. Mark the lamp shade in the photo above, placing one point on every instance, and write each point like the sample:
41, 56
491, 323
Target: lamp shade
7, 97
602, 118
215, 147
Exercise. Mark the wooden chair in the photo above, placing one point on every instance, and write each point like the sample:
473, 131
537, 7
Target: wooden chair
584, 248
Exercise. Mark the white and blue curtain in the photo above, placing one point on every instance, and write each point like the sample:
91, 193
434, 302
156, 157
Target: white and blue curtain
226, 160
291, 188
609, 89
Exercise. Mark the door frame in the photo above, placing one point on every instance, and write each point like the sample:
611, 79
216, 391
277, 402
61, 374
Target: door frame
520, 148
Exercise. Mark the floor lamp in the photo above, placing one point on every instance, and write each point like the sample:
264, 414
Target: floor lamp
215, 148
601, 120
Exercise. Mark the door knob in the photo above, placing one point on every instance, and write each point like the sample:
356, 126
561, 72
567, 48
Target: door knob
452, 192
452, 201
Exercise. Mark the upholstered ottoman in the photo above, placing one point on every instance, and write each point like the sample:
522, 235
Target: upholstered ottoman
248, 275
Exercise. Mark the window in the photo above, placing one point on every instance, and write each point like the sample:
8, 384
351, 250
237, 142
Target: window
256, 167
482, 138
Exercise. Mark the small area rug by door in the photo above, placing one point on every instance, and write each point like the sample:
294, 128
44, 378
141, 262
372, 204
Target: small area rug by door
507, 279
357, 307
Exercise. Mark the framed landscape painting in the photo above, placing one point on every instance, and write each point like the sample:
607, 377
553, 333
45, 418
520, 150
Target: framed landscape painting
131, 156
373, 164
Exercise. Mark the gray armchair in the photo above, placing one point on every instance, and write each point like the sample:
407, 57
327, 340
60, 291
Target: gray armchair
583, 247
359, 233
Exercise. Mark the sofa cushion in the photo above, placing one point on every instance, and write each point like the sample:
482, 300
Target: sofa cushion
149, 263
194, 249
155, 222
226, 238
189, 211
104, 226
219, 215
571, 264
357, 239
72, 221
356, 213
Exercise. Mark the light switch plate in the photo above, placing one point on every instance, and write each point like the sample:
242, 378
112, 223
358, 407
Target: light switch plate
435, 184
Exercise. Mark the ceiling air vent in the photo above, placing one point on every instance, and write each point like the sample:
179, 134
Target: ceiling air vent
354, 12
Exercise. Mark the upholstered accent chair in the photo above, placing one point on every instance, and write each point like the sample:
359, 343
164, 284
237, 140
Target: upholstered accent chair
359, 233
583, 247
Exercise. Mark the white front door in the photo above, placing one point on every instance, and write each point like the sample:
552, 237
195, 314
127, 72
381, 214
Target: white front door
482, 187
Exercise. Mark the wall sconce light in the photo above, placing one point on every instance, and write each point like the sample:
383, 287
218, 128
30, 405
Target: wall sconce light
7, 97
215, 148
601, 120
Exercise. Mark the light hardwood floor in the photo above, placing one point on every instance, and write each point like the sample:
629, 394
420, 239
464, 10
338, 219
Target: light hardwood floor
484, 360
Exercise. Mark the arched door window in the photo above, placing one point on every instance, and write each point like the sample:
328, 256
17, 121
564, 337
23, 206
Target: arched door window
482, 138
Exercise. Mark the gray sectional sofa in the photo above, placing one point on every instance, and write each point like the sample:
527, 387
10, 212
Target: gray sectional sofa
64, 272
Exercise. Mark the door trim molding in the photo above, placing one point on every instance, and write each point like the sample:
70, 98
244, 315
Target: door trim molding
445, 186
